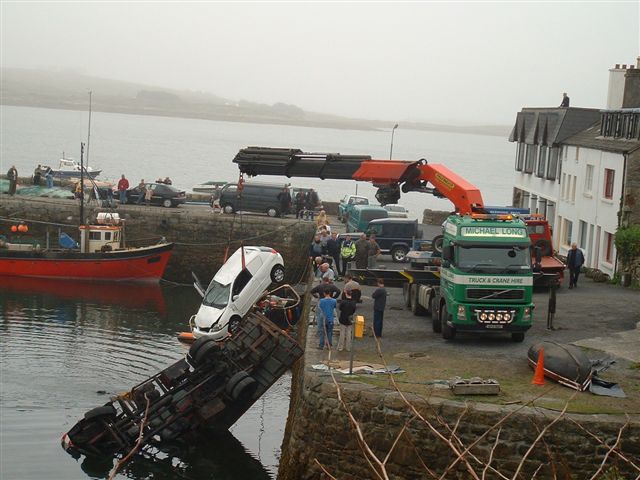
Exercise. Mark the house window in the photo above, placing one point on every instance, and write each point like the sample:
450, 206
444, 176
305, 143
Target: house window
574, 180
520, 157
532, 151
582, 234
542, 162
562, 185
552, 168
577, 154
608, 253
567, 230
588, 179
609, 176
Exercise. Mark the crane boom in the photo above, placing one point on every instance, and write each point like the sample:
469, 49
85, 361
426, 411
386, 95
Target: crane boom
389, 176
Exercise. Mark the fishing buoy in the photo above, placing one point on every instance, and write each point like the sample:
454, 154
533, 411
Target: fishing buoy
14, 228
186, 337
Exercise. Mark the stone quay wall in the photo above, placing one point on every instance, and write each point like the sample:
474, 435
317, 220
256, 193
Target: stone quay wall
201, 236
318, 429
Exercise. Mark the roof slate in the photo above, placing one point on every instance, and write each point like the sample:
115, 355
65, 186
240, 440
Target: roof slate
550, 126
591, 138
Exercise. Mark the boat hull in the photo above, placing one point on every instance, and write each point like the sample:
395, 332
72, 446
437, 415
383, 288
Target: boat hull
135, 264
75, 174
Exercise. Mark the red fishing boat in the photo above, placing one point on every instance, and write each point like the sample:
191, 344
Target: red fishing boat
101, 256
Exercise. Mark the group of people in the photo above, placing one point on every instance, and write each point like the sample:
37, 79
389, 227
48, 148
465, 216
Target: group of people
305, 204
341, 252
342, 304
48, 176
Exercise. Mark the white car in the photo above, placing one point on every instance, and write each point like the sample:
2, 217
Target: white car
234, 290
397, 211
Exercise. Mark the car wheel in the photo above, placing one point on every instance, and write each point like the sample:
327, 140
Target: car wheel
273, 212
517, 336
234, 324
166, 203
277, 274
435, 319
399, 254
228, 208
448, 333
103, 411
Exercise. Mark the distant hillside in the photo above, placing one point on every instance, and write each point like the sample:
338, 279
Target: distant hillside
68, 90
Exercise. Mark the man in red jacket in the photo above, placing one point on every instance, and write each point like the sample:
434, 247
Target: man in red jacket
123, 186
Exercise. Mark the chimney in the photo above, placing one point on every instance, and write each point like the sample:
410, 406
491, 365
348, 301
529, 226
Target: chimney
615, 92
631, 94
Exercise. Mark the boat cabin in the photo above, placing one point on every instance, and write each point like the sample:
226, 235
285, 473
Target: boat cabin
105, 236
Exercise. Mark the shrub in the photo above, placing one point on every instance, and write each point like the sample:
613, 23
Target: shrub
627, 243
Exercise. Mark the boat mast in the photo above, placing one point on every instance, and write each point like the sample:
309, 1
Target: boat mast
81, 183
89, 129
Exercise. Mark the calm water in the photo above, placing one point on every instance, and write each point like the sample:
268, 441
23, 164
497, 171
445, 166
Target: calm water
66, 347
193, 151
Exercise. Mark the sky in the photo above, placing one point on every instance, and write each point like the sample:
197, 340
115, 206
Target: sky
449, 62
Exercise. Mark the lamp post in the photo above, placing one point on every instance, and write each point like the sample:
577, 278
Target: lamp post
393, 130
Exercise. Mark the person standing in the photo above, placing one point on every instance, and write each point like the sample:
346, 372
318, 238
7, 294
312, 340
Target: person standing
12, 176
316, 249
352, 288
48, 176
284, 197
311, 201
565, 101
123, 186
37, 175
362, 252
327, 306
347, 254
148, 193
299, 203
333, 249
142, 192
347, 308
575, 260
379, 303
374, 252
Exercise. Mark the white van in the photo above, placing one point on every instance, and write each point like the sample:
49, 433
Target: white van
234, 290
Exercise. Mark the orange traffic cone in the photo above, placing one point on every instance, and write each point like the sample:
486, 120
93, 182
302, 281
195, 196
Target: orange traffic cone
538, 376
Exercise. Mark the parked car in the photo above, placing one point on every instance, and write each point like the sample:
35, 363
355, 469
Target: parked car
255, 197
397, 211
165, 195
394, 235
235, 289
346, 205
361, 215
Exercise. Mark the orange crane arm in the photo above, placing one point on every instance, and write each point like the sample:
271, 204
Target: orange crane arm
390, 176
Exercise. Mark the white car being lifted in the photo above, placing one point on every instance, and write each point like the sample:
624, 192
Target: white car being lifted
234, 290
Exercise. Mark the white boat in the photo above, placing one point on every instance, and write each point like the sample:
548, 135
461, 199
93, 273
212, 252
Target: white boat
208, 187
68, 168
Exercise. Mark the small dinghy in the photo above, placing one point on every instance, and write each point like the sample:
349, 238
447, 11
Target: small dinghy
566, 364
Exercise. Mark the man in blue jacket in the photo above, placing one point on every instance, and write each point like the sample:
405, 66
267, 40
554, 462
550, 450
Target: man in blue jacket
575, 259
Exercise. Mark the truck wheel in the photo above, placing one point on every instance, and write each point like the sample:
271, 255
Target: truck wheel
416, 308
399, 254
437, 243
517, 336
207, 350
406, 294
244, 389
435, 318
448, 333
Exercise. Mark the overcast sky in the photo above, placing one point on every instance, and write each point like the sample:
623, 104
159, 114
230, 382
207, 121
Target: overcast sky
449, 62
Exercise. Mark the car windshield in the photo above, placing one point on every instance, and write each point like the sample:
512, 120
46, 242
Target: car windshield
498, 259
217, 295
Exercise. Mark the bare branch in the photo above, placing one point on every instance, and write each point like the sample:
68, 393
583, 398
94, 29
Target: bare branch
613, 447
495, 444
324, 470
541, 434
138, 444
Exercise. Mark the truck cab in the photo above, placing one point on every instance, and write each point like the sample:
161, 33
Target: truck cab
486, 279
346, 205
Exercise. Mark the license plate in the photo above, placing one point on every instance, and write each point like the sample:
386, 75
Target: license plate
497, 327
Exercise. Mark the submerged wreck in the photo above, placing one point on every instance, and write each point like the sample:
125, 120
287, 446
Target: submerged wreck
211, 388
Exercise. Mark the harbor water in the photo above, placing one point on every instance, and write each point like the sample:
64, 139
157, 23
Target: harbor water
67, 346
193, 151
